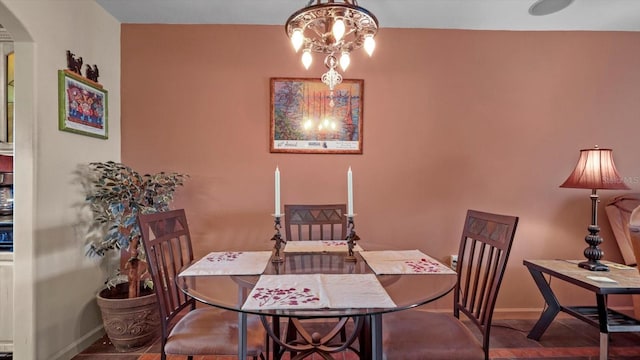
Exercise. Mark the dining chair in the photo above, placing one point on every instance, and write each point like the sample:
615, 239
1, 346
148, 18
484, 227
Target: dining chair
315, 222
482, 260
187, 330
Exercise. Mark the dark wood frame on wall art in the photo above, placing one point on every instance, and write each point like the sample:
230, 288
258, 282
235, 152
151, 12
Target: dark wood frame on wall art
82, 105
307, 117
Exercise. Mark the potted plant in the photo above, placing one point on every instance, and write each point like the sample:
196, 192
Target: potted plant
116, 195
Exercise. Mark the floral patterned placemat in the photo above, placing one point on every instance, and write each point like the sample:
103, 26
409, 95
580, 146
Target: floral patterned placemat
404, 262
318, 246
230, 263
318, 291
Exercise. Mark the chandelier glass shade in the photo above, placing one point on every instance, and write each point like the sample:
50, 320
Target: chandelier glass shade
333, 28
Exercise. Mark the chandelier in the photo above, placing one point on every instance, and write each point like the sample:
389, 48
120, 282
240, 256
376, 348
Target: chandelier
334, 29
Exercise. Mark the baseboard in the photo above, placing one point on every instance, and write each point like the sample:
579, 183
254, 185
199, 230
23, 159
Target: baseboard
80, 344
6, 347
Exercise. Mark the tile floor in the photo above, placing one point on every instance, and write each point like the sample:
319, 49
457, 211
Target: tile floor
566, 339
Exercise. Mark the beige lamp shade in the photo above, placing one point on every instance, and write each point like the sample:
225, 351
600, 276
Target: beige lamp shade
595, 170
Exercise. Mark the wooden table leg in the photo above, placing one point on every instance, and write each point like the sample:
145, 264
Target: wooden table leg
553, 306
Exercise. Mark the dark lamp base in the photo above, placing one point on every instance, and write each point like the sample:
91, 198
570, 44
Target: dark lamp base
593, 266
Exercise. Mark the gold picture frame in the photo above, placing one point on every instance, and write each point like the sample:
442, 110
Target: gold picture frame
308, 117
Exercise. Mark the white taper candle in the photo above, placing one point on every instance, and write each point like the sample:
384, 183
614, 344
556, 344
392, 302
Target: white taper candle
349, 192
277, 175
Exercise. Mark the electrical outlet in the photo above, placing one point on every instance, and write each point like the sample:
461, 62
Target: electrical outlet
453, 261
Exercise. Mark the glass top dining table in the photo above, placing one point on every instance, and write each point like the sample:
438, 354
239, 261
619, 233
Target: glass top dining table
406, 290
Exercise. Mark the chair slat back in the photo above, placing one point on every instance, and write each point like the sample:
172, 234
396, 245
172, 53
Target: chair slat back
315, 222
482, 260
167, 244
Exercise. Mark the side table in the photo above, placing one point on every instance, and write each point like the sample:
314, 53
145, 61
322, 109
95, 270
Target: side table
624, 280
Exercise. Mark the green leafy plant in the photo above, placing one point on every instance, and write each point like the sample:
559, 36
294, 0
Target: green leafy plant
116, 195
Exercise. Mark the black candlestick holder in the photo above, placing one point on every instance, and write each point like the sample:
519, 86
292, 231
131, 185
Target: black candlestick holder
276, 258
352, 237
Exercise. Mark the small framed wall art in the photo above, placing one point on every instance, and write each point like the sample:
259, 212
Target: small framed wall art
308, 117
82, 105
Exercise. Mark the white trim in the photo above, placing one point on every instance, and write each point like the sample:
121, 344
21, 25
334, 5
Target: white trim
24, 277
6, 347
80, 344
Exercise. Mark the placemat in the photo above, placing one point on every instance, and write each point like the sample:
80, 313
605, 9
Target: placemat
404, 262
230, 263
318, 291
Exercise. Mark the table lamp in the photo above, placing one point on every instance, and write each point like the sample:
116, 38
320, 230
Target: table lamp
595, 170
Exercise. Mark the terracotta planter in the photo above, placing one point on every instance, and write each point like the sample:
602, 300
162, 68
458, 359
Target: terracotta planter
129, 323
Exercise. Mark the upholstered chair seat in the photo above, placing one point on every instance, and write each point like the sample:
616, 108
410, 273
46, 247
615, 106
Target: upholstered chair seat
209, 331
428, 335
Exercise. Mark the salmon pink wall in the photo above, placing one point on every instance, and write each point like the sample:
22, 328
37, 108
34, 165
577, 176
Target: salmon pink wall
488, 120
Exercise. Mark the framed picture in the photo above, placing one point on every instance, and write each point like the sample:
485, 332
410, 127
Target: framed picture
307, 117
82, 105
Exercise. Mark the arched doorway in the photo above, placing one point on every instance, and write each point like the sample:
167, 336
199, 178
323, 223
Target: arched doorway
23, 330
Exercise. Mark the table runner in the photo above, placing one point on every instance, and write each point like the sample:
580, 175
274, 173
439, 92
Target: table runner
318, 246
230, 263
404, 262
318, 291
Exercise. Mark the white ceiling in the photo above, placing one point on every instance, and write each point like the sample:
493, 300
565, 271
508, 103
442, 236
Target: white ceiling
623, 15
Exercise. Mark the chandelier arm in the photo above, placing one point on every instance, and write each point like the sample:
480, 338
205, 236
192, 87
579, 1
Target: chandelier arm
316, 31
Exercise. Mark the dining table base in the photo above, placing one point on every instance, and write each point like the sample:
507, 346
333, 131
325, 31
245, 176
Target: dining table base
356, 303
308, 343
